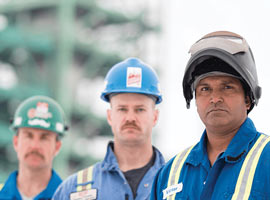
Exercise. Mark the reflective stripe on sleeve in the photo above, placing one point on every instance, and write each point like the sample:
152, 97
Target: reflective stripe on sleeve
176, 169
246, 175
1, 186
83, 177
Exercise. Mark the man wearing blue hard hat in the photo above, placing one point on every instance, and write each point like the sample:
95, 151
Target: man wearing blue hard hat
128, 169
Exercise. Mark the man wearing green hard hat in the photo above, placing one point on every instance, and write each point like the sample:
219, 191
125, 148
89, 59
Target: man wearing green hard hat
38, 125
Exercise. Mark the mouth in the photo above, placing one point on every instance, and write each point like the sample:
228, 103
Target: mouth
130, 127
217, 110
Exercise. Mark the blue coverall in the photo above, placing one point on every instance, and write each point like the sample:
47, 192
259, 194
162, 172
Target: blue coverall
10, 190
110, 182
198, 180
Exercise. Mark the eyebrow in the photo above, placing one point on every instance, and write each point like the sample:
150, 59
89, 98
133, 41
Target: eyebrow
41, 133
47, 133
230, 81
123, 105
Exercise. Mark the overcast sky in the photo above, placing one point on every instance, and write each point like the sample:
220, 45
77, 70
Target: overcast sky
184, 23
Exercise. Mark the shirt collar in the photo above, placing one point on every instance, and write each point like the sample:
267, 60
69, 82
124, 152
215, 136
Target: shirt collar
237, 148
54, 182
240, 143
110, 161
11, 185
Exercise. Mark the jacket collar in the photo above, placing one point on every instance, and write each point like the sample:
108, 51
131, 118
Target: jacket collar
237, 148
54, 182
110, 160
10, 187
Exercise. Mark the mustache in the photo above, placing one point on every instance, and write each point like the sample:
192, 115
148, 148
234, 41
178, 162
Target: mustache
34, 152
130, 125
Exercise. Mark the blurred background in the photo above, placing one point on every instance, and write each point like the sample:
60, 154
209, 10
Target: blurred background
64, 48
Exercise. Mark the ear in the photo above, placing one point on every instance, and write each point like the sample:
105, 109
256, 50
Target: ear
15, 142
247, 102
156, 116
57, 147
109, 116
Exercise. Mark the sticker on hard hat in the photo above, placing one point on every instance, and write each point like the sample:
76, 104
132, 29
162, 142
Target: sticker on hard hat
18, 121
134, 77
105, 84
41, 111
39, 122
59, 127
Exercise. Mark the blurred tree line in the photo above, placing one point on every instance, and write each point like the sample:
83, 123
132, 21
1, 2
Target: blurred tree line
57, 48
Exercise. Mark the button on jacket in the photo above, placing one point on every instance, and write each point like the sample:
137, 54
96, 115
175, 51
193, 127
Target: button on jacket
11, 192
110, 182
198, 180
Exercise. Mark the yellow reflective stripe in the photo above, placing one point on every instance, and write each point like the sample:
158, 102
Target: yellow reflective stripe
176, 169
84, 176
241, 174
253, 168
172, 169
79, 180
246, 175
1, 186
89, 177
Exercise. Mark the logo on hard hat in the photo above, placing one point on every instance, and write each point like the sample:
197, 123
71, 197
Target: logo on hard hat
39, 122
41, 111
134, 77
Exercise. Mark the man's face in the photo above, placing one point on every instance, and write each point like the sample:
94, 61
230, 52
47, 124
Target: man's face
221, 103
132, 117
36, 148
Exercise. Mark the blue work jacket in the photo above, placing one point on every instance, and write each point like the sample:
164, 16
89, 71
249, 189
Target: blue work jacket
198, 180
110, 182
11, 192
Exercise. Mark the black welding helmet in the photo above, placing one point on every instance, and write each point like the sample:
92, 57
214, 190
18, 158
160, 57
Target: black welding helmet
222, 47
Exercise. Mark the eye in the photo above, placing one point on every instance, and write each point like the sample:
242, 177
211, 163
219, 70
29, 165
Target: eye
44, 137
122, 109
205, 88
228, 87
140, 109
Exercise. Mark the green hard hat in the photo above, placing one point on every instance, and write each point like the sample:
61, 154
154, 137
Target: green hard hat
40, 112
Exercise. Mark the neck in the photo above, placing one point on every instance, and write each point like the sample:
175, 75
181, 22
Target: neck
31, 182
132, 156
218, 143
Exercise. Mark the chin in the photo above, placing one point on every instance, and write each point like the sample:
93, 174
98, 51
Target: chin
217, 122
35, 167
35, 164
133, 141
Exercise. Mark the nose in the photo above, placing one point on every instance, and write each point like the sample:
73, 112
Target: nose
216, 97
130, 117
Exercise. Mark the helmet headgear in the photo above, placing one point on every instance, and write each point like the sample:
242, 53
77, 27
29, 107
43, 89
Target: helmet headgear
40, 112
233, 56
132, 76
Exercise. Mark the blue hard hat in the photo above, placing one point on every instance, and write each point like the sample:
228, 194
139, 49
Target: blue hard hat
132, 76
